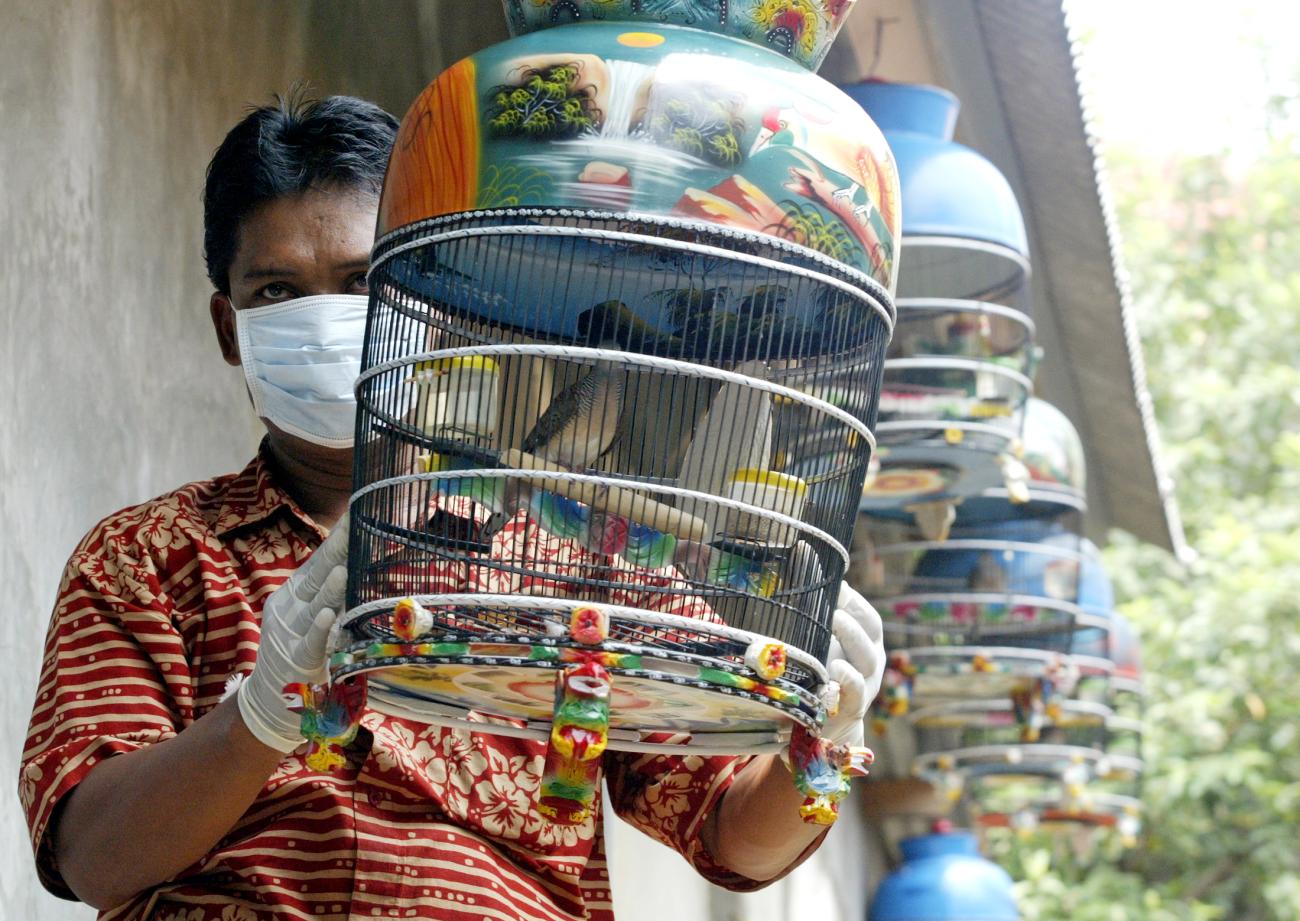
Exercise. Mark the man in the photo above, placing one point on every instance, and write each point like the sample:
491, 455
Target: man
164, 776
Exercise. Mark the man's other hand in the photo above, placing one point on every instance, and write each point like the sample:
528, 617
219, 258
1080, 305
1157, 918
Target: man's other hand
296, 622
856, 664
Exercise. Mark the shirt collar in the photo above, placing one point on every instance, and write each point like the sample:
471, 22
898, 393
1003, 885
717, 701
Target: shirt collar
254, 496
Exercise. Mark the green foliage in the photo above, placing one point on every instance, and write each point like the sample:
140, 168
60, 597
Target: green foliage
512, 185
806, 224
544, 105
1212, 245
704, 122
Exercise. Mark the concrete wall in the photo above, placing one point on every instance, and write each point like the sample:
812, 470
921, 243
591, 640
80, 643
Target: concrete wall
113, 388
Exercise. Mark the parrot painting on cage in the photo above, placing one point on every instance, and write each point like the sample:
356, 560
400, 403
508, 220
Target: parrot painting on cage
582, 422
331, 715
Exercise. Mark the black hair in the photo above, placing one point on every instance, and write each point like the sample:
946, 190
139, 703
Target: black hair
284, 149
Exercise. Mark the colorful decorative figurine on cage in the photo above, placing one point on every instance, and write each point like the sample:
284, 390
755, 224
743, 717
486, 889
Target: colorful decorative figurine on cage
629, 307
331, 716
579, 734
895, 697
822, 772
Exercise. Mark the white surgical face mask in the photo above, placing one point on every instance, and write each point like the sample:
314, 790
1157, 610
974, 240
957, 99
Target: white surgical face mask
301, 359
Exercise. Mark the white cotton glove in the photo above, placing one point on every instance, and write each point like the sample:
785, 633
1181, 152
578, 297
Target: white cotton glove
296, 622
856, 664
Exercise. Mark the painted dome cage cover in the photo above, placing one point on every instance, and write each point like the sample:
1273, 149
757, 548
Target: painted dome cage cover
799, 29
962, 227
661, 120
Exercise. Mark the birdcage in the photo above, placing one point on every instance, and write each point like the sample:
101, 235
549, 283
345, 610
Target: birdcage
617, 394
961, 724
959, 373
962, 329
1004, 797
1093, 810
1105, 795
1009, 584
940, 673
1048, 807
1057, 797
958, 361
1007, 772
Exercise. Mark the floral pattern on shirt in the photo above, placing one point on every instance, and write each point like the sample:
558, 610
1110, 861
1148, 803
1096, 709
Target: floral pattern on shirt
164, 599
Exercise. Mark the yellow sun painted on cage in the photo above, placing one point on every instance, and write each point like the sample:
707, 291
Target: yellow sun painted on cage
641, 39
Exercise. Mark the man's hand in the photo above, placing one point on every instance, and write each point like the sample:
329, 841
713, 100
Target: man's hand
296, 622
857, 665
757, 830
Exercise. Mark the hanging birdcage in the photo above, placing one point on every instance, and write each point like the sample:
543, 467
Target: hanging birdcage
1015, 583
962, 230
629, 308
998, 600
961, 724
1054, 796
1105, 795
960, 371
1025, 809
1007, 769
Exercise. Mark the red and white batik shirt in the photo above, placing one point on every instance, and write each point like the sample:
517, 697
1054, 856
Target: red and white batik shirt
162, 602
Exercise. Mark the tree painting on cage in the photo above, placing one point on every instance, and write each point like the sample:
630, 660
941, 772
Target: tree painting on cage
543, 103
704, 121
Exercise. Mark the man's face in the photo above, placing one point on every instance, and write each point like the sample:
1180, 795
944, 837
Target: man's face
314, 243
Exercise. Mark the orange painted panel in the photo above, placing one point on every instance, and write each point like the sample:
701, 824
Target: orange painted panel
435, 164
